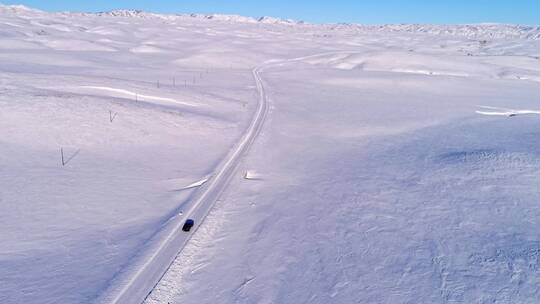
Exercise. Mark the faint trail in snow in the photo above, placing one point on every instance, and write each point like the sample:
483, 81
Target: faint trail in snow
133, 95
243, 285
505, 112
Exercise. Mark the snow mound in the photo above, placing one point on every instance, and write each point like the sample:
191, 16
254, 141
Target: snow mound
222, 17
147, 49
106, 31
121, 93
75, 45
405, 62
273, 20
17, 9
252, 175
128, 14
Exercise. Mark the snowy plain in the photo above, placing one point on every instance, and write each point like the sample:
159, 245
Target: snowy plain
397, 164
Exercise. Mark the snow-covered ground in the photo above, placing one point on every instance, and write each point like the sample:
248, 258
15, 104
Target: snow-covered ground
397, 164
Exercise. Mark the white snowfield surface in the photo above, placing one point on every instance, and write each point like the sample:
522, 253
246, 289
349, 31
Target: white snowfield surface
340, 163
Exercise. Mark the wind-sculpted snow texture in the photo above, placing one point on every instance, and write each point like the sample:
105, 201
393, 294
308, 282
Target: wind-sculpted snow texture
397, 163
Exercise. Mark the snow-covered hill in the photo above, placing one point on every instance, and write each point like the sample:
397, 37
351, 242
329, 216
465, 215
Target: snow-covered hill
397, 163
472, 31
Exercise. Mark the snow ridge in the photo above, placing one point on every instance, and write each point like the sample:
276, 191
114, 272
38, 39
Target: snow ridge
127, 14
17, 9
472, 31
217, 17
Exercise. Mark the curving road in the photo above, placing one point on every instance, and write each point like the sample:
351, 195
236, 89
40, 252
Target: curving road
136, 282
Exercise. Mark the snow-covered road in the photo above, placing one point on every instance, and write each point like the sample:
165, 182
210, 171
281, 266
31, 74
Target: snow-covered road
135, 283
141, 284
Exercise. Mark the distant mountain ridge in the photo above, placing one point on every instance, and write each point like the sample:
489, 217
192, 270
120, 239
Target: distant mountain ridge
473, 31
220, 17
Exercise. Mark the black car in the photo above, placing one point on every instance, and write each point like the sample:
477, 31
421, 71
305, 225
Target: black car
188, 224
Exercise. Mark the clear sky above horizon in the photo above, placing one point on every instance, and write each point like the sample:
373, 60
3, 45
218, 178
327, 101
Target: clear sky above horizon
359, 11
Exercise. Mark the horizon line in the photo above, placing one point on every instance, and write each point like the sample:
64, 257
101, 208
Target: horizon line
257, 17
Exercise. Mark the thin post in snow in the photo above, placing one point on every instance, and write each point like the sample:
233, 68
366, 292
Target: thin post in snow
158, 84
174, 81
111, 116
66, 161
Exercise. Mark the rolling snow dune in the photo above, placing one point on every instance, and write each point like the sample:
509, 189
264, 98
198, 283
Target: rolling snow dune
425, 64
106, 31
396, 163
427, 211
74, 45
148, 49
14, 44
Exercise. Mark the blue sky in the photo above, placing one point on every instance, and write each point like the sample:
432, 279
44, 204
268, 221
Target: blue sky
360, 11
